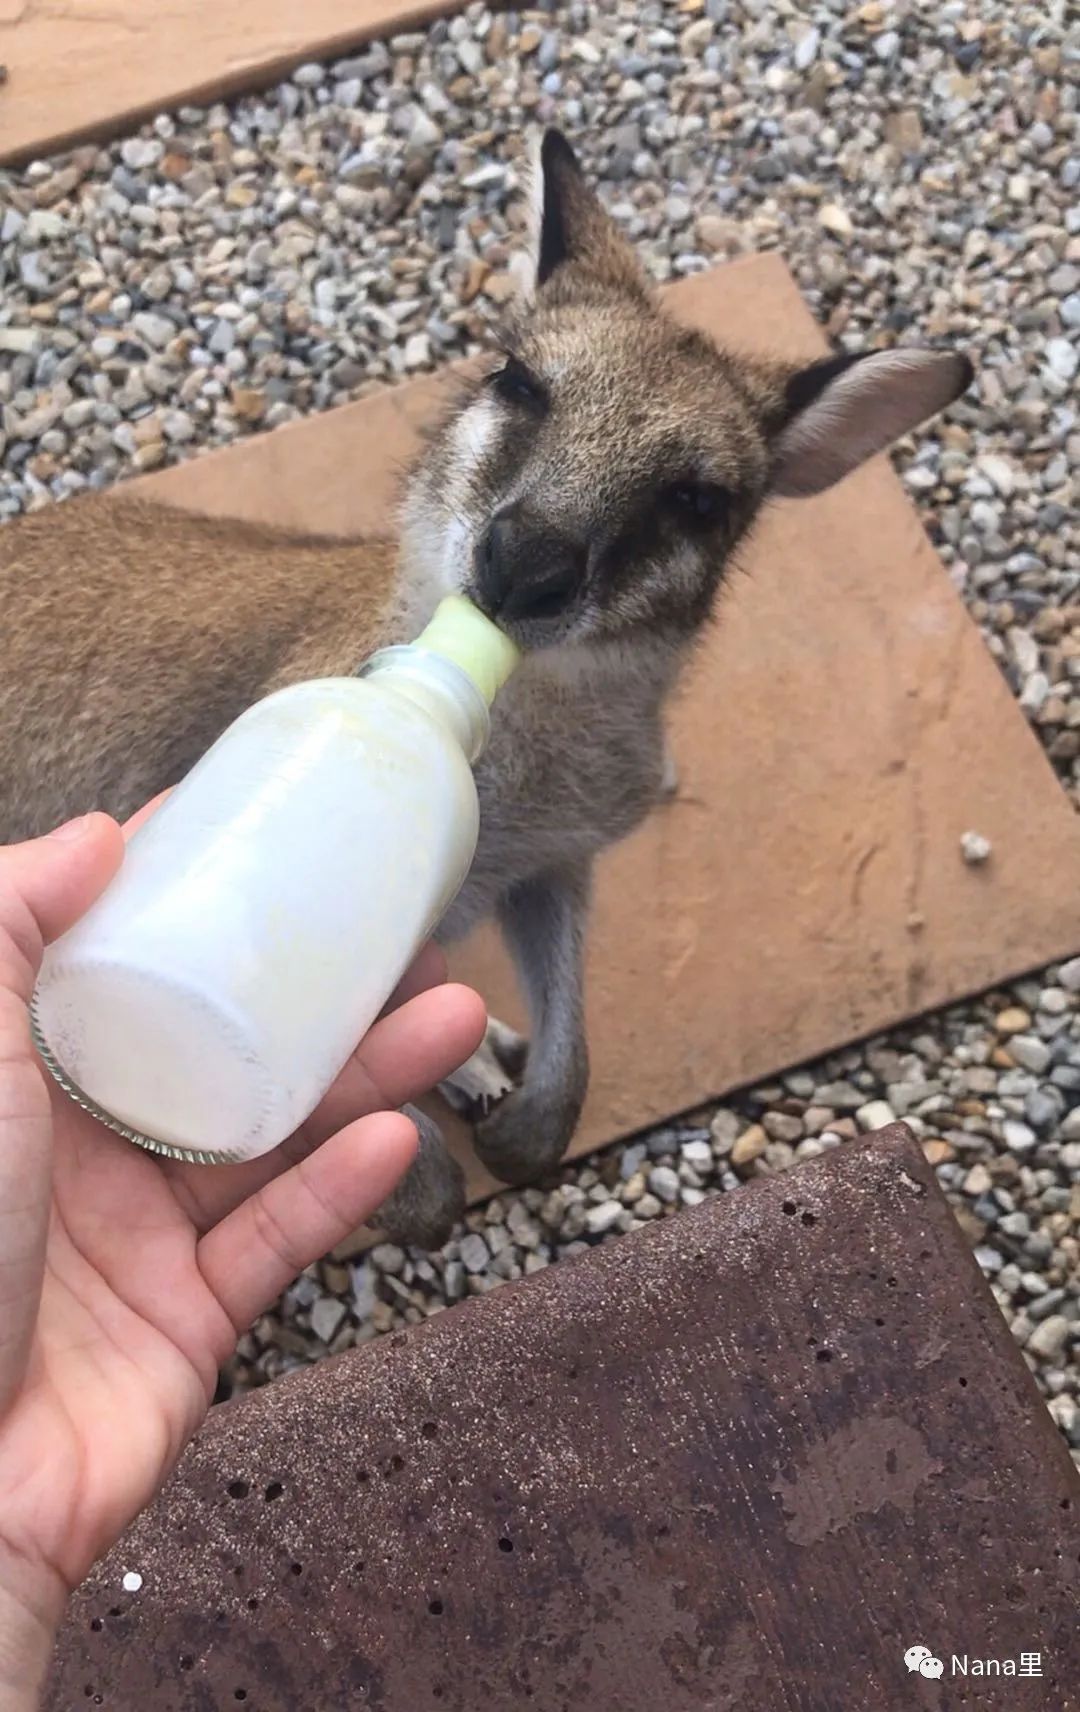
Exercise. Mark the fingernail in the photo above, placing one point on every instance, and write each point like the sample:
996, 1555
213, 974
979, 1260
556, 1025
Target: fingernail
72, 829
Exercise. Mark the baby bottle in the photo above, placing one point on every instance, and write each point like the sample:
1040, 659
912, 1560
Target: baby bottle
262, 917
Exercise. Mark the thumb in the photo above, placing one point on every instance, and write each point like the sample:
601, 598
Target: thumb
47, 883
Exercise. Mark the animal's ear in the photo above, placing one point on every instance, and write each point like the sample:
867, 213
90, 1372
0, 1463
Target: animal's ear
571, 228
841, 411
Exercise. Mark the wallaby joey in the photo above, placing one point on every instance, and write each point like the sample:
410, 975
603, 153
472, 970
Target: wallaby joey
587, 491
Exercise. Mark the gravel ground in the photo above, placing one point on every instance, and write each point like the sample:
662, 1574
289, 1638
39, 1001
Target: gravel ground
229, 269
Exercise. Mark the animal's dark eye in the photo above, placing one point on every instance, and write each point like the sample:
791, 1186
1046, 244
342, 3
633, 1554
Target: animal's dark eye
703, 502
518, 385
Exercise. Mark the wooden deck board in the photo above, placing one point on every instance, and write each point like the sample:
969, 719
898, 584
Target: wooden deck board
76, 70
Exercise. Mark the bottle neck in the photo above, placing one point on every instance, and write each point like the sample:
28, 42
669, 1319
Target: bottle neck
440, 687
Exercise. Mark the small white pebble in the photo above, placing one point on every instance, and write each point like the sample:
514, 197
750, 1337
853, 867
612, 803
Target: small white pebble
132, 1581
876, 1114
1069, 975
975, 848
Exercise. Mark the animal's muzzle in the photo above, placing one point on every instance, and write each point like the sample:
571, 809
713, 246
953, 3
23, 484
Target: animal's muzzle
524, 570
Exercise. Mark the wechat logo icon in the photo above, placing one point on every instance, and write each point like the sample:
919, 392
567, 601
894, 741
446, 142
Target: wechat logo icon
922, 1659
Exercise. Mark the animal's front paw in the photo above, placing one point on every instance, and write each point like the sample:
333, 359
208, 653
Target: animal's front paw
489, 1075
527, 1134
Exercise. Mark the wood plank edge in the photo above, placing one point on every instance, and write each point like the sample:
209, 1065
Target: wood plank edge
246, 79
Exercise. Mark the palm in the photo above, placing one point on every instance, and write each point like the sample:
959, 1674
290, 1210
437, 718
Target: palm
124, 1357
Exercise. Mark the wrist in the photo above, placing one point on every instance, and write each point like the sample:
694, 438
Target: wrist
31, 1606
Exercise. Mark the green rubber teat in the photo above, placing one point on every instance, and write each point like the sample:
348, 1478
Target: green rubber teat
459, 631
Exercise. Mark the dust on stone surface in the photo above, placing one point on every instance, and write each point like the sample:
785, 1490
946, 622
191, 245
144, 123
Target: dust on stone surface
495, 1468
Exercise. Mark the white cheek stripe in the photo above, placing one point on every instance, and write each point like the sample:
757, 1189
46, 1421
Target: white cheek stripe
475, 430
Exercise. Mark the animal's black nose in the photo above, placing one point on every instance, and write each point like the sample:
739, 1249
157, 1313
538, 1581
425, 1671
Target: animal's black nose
524, 570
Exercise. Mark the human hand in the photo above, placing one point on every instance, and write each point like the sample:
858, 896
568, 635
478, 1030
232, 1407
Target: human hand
125, 1279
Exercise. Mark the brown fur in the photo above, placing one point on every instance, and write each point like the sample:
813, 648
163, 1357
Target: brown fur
132, 634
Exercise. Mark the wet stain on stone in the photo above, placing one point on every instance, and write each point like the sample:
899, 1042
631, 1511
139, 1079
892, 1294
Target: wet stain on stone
853, 1472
